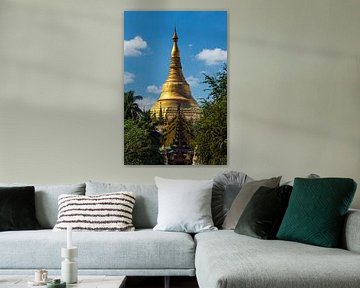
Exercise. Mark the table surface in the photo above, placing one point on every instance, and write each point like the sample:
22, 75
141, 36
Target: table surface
84, 281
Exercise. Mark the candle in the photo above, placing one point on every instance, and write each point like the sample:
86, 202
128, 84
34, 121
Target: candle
69, 237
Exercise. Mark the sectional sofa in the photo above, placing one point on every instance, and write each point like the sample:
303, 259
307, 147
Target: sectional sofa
221, 259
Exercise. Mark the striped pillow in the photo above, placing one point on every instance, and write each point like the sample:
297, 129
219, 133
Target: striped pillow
105, 212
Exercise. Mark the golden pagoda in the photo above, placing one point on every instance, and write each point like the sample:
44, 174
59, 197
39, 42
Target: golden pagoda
175, 91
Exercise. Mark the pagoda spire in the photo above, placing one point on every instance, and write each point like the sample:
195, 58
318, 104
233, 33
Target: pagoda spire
175, 49
175, 72
176, 91
175, 37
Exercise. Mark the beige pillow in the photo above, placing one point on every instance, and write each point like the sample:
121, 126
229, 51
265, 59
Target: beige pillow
243, 198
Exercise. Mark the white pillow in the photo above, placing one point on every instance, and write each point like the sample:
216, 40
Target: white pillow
184, 205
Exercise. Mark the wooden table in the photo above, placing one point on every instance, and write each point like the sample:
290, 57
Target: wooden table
84, 281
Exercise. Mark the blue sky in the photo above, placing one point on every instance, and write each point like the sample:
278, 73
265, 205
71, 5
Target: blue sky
148, 42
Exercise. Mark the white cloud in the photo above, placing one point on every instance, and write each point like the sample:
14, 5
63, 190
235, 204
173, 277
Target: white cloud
212, 57
134, 46
153, 89
128, 78
146, 103
193, 81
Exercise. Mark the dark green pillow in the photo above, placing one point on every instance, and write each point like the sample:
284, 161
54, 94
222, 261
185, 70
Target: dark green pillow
264, 212
17, 208
316, 211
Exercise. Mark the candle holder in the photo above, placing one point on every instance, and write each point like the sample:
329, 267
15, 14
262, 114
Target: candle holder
69, 271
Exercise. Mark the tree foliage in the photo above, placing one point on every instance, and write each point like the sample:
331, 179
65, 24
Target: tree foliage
141, 140
141, 144
217, 84
211, 128
131, 108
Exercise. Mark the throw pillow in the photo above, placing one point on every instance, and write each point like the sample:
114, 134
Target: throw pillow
184, 205
317, 209
17, 209
263, 215
226, 187
243, 198
146, 205
46, 200
105, 212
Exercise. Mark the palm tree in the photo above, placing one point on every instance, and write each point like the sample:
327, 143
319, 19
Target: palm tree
131, 108
147, 121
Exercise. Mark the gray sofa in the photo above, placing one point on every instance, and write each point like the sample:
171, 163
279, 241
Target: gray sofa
226, 259
218, 259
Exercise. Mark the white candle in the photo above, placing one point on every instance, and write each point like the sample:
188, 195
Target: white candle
69, 237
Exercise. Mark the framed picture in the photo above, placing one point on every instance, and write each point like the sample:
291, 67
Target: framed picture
175, 88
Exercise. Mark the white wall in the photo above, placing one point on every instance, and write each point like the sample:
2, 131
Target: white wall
294, 85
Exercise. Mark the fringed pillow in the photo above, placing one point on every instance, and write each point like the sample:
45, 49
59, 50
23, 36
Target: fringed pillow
105, 212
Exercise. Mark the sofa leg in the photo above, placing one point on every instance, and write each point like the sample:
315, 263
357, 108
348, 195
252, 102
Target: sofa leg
167, 282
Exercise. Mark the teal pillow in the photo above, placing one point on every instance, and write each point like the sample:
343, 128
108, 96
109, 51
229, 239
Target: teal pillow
316, 211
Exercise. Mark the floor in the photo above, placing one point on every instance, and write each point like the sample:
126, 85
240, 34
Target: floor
158, 282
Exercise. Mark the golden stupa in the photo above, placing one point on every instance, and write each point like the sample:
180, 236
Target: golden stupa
175, 91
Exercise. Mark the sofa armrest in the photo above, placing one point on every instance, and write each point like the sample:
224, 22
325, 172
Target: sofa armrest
351, 234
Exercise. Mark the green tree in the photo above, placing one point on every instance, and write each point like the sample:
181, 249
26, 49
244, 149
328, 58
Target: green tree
211, 128
217, 84
146, 120
131, 108
141, 143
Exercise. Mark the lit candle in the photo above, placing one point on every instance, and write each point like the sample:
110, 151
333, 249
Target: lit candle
69, 237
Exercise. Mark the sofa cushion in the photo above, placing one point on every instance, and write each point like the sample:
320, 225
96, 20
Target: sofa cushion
17, 208
105, 212
225, 259
46, 200
350, 239
263, 215
226, 187
142, 249
317, 209
243, 198
146, 205
184, 205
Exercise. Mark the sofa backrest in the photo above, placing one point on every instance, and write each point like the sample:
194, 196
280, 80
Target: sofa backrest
146, 203
46, 200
